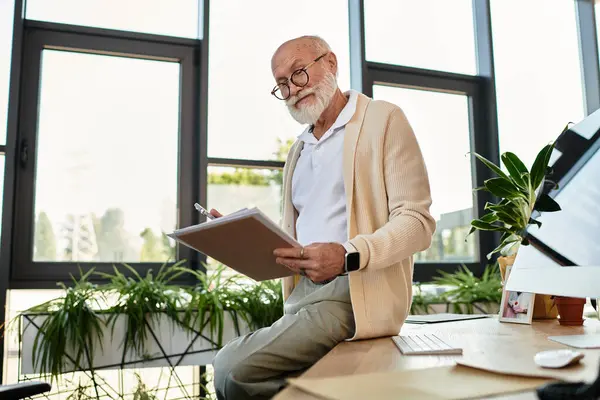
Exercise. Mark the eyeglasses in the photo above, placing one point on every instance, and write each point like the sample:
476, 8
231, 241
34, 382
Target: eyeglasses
299, 78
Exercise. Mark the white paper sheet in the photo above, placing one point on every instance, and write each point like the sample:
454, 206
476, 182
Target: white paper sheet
579, 341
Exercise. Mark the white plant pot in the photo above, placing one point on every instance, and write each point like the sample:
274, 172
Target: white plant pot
181, 347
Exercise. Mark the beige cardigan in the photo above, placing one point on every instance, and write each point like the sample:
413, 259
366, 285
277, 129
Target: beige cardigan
388, 200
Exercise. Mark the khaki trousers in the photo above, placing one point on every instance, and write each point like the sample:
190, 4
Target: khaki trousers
256, 365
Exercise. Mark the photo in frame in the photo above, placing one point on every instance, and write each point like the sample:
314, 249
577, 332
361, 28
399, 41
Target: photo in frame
516, 307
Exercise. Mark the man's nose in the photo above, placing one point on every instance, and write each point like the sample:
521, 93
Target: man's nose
294, 89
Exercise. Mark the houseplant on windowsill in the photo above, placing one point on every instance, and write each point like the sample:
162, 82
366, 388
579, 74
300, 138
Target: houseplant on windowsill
521, 192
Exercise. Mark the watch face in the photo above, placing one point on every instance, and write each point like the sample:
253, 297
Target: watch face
352, 261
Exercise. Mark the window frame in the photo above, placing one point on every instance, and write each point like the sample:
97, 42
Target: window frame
445, 82
38, 36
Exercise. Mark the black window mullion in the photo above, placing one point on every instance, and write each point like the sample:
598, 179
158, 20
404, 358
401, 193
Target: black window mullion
235, 162
188, 144
485, 132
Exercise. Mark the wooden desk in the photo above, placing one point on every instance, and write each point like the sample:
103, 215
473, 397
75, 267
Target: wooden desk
477, 337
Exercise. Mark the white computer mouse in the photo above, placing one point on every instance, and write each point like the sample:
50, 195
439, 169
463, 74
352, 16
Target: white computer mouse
557, 358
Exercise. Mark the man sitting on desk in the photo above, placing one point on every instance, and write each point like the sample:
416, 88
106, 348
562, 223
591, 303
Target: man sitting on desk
356, 195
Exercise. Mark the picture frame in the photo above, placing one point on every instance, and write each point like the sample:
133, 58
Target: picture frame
516, 307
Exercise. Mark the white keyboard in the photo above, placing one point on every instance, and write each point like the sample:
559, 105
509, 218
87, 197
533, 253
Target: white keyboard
424, 344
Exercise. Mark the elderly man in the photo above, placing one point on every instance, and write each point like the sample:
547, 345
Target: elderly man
356, 195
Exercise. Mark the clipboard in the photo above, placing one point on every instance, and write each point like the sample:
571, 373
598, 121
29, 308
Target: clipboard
244, 241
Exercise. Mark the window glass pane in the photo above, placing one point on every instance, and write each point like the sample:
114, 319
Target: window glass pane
244, 119
171, 18
106, 171
444, 141
431, 34
231, 189
6, 32
538, 77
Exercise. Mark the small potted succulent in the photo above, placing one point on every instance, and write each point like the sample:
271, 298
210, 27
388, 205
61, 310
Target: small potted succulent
521, 192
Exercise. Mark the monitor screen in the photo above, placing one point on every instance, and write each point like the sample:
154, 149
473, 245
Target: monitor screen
574, 232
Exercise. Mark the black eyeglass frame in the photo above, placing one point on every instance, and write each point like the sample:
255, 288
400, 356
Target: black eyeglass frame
291, 79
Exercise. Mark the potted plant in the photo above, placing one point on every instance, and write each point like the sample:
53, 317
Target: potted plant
521, 192
469, 294
143, 320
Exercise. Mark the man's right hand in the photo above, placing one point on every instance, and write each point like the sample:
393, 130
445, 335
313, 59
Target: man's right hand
215, 213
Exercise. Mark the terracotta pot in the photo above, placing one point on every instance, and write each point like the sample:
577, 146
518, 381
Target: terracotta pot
570, 310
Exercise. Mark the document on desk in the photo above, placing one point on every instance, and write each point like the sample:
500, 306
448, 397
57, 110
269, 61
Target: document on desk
243, 240
451, 382
589, 341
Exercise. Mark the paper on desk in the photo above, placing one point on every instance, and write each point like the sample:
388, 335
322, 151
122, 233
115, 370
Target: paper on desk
589, 341
451, 382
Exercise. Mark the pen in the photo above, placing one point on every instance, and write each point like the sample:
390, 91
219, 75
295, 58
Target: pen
203, 211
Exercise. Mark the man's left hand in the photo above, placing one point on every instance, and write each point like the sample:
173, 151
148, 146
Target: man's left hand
318, 261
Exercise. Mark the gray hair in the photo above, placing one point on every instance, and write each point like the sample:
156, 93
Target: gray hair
316, 43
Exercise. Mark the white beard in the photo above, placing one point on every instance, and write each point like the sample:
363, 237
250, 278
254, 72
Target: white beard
323, 93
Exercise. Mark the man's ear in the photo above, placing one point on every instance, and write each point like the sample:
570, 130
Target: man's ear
332, 62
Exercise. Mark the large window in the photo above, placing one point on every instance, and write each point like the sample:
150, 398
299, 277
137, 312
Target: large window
105, 133
106, 168
538, 73
172, 18
444, 142
431, 34
244, 120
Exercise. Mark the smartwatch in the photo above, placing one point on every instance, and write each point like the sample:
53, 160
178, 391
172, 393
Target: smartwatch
352, 261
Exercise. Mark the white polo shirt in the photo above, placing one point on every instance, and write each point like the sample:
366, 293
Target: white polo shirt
318, 192
319, 196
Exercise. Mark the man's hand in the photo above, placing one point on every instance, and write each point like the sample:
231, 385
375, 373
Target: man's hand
319, 261
215, 213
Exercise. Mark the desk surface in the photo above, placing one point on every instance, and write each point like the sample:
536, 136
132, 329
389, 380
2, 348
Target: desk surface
482, 336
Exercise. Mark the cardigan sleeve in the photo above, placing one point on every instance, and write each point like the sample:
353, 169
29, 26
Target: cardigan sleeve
410, 226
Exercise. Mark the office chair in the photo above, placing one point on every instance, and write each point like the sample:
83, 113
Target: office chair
22, 390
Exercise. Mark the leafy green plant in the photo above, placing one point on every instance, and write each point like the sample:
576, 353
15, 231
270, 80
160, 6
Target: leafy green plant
142, 392
209, 300
261, 304
142, 300
421, 302
78, 319
80, 393
520, 193
467, 289
216, 294
71, 327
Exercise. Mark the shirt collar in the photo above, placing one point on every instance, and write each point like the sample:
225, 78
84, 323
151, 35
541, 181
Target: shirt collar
343, 118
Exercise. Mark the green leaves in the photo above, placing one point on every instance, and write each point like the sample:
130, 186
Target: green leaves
491, 166
485, 226
468, 289
516, 168
502, 187
540, 164
517, 192
546, 203
77, 321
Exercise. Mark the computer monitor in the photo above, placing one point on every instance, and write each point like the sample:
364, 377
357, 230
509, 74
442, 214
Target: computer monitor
570, 237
